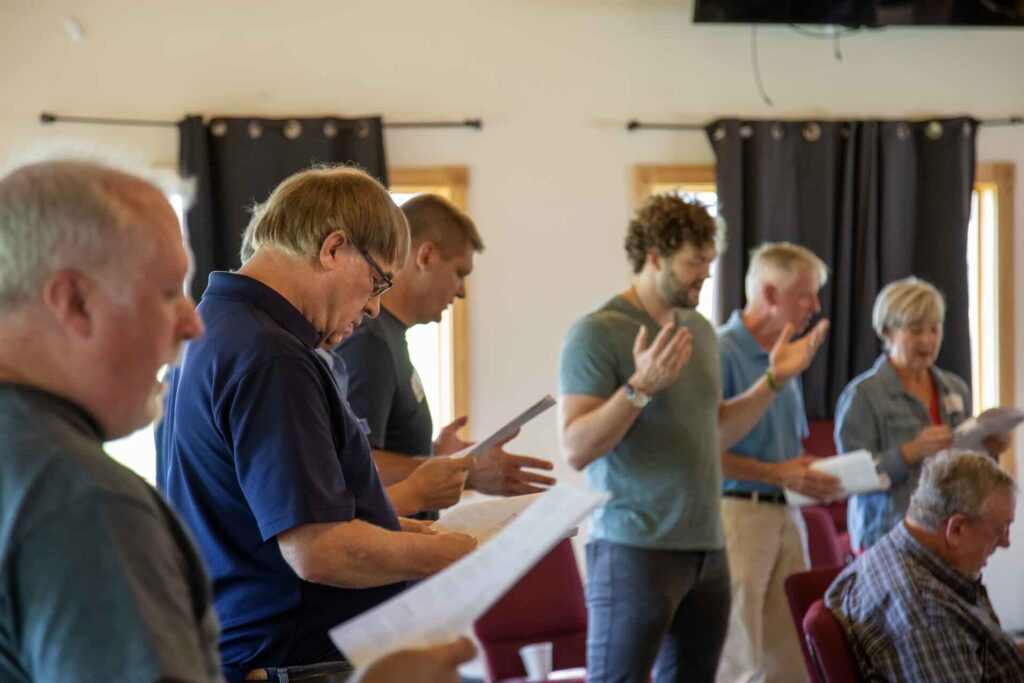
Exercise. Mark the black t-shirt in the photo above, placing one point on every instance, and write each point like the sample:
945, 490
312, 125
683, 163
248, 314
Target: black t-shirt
384, 388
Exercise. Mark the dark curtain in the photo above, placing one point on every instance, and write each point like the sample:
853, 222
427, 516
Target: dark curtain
236, 162
876, 200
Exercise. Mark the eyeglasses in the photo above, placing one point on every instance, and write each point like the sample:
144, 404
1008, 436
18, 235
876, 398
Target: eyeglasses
382, 282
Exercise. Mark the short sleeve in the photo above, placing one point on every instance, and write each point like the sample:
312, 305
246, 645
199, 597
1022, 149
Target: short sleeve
282, 434
727, 362
372, 383
110, 602
588, 365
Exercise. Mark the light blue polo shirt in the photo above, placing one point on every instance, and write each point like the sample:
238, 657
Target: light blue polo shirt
778, 435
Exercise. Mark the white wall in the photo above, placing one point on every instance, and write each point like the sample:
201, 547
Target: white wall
554, 81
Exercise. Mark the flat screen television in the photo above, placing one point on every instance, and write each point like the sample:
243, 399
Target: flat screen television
862, 12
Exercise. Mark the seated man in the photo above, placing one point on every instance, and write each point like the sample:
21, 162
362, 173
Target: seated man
913, 607
98, 580
258, 450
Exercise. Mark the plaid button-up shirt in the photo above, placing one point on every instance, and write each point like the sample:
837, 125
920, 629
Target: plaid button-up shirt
909, 616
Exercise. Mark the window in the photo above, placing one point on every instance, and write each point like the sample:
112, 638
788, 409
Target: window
693, 182
439, 350
990, 287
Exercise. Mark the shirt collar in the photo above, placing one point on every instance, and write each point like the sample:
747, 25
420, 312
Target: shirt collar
739, 333
44, 400
963, 586
242, 288
883, 368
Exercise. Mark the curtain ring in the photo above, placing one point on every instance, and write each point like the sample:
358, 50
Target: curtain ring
902, 131
718, 134
778, 131
362, 128
292, 129
844, 130
331, 129
933, 130
218, 128
746, 131
812, 131
255, 129
967, 128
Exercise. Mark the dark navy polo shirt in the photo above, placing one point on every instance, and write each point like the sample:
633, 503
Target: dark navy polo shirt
256, 440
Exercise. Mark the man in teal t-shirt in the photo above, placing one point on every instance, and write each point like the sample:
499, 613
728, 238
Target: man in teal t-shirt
642, 412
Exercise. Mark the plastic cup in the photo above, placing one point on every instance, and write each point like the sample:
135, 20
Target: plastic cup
537, 660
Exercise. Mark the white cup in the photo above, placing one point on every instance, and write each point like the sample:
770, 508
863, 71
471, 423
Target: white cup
537, 660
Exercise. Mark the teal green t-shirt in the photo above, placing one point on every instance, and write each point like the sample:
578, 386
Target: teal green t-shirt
665, 475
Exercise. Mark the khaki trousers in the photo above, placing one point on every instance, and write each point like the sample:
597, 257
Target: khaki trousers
765, 543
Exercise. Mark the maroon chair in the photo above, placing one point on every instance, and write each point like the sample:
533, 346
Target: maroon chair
828, 646
802, 590
823, 542
547, 604
820, 442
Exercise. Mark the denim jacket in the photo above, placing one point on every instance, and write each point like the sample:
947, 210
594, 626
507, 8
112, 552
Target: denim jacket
876, 413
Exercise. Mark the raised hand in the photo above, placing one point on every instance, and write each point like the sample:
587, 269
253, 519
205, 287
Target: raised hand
448, 441
658, 365
789, 358
796, 474
498, 473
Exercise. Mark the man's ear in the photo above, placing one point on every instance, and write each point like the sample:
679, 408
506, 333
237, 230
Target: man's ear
954, 531
332, 248
66, 294
654, 258
425, 255
770, 293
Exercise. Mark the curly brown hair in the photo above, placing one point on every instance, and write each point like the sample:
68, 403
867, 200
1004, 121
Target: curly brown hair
663, 223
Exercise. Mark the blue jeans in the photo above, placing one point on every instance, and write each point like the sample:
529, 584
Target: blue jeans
661, 609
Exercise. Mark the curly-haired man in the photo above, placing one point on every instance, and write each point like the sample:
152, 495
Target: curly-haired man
641, 411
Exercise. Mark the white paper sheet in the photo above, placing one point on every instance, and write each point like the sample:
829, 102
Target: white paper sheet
516, 422
855, 471
484, 520
970, 433
445, 606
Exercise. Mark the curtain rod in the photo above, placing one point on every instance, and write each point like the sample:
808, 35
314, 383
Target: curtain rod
634, 125
48, 117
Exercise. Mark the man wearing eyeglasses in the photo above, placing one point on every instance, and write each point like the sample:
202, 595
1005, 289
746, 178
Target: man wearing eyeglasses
385, 389
260, 453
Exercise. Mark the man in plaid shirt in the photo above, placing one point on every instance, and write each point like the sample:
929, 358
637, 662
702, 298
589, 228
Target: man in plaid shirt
913, 607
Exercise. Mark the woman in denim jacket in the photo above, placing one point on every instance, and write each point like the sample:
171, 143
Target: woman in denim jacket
904, 408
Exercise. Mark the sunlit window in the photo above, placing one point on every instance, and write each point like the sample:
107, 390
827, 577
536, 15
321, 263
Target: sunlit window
984, 292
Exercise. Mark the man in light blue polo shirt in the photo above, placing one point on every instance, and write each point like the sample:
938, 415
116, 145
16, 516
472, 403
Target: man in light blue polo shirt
763, 535
641, 411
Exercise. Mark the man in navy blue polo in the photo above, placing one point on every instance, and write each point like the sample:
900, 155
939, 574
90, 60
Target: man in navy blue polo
258, 450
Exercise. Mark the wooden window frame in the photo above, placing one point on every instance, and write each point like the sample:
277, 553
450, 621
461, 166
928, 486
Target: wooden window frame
452, 182
648, 180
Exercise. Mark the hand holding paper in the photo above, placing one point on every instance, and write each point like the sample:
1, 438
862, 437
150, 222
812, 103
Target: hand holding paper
855, 471
972, 432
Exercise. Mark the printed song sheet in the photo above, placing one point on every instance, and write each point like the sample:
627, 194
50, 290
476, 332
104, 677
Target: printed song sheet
855, 471
516, 422
445, 606
484, 520
968, 436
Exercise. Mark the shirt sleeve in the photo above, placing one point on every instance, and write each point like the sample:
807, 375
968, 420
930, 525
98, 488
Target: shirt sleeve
856, 429
727, 362
105, 595
372, 383
587, 365
279, 421
940, 652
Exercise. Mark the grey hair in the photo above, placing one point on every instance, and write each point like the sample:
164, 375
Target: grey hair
247, 249
905, 303
955, 482
777, 263
62, 209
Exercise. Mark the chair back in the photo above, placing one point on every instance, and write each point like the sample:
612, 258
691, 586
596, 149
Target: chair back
802, 590
823, 543
828, 645
547, 604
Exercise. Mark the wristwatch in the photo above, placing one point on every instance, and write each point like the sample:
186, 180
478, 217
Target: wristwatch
637, 398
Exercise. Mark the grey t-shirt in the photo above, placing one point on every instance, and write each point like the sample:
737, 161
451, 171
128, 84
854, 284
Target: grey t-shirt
665, 474
98, 580
384, 388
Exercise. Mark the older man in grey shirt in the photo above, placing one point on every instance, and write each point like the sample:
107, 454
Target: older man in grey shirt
100, 581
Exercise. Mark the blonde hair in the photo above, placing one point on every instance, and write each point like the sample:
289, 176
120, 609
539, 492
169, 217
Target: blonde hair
433, 218
777, 263
308, 206
904, 303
